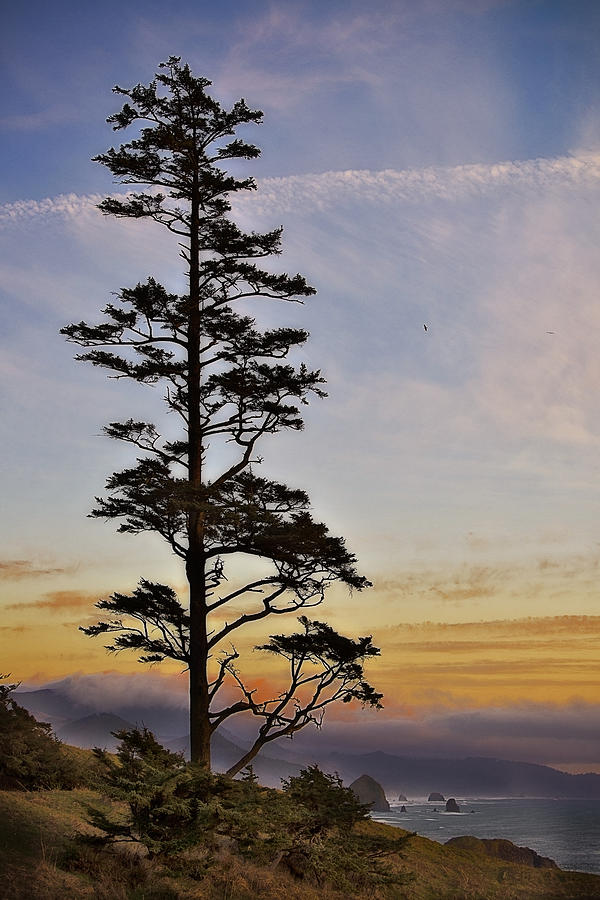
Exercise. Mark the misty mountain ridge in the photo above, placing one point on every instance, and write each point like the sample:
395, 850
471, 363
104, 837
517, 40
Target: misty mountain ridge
469, 777
81, 724
95, 730
57, 706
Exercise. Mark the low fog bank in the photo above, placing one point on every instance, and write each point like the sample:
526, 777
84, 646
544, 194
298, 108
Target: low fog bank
565, 736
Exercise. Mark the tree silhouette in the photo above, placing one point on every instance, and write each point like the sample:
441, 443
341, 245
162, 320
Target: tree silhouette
230, 384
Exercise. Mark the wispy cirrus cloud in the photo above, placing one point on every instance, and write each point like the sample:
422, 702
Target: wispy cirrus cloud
484, 414
57, 601
25, 568
571, 625
565, 580
65, 205
489, 663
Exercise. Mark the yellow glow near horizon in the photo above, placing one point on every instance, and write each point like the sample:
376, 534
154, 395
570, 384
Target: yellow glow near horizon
450, 662
422, 665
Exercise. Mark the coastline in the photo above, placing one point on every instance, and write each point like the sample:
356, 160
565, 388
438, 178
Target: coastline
566, 830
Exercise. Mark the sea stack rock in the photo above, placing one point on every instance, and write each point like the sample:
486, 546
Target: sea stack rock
370, 791
452, 805
402, 798
437, 798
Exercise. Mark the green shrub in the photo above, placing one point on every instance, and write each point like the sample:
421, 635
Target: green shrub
30, 755
190, 818
153, 782
326, 847
327, 803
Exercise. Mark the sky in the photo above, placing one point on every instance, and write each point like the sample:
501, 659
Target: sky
433, 163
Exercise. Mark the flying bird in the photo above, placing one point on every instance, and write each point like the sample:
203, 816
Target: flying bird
550, 332
425, 327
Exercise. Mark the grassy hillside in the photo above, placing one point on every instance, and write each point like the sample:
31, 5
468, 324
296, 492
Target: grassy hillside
40, 859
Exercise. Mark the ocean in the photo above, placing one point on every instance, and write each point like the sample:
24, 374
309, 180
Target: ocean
568, 831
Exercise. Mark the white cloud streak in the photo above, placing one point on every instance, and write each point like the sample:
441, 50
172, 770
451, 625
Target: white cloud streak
415, 185
325, 190
68, 206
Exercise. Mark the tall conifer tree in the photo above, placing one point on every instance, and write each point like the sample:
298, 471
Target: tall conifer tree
228, 382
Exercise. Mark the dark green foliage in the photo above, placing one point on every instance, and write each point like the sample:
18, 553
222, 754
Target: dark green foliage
30, 755
153, 783
334, 654
150, 604
328, 804
309, 827
326, 847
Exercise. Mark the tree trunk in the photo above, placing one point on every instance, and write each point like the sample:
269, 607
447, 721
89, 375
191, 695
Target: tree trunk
195, 563
199, 699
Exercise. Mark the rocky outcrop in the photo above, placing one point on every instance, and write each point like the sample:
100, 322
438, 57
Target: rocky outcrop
505, 850
452, 805
370, 791
437, 798
402, 798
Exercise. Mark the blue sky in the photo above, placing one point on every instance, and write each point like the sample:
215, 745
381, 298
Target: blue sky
344, 86
433, 163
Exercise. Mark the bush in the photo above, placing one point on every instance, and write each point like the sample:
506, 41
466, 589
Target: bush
149, 779
327, 803
30, 755
191, 818
326, 847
